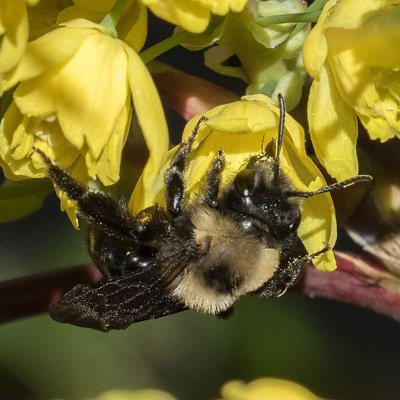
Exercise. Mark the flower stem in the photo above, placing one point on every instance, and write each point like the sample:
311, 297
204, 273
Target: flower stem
111, 19
154, 51
317, 5
289, 18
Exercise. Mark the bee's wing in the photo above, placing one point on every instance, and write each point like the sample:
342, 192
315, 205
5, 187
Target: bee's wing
119, 302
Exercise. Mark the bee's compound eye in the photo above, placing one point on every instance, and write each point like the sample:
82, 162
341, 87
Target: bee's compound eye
244, 182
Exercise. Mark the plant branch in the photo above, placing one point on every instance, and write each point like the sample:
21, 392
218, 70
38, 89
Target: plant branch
352, 282
35, 294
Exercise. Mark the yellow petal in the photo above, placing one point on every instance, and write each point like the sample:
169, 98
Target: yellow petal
186, 13
333, 127
92, 91
15, 30
132, 26
14, 146
108, 165
74, 12
151, 118
97, 5
373, 92
292, 127
243, 117
349, 14
193, 15
46, 52
79, 172
315, 48
37, 97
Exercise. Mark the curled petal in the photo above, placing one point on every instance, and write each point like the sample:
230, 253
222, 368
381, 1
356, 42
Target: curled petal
318, 217
315, 49
107, 166
152, 121
334, 136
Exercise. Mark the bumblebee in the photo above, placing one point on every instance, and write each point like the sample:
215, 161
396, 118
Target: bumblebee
202, 253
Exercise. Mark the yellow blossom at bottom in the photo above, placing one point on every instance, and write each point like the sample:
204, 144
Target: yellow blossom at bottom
259, 389
145, 394
239, 129
266, 389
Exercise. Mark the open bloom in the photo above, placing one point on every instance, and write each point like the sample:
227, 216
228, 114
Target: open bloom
193, 15
353, 54
14, 32
74, 103
239, 128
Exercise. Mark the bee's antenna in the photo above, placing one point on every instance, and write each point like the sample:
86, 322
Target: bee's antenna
280, 137
262, 150
43, 155
331, 188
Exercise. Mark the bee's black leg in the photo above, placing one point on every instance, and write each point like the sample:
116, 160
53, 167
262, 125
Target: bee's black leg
99, 210
173, 177
287, 275
214, 179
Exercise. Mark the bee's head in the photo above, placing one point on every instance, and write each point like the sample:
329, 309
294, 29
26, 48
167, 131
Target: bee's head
261, 201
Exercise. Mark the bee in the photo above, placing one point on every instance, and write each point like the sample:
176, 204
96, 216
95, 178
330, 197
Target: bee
202, 253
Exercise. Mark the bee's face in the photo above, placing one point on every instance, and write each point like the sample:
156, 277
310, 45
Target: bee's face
261, 202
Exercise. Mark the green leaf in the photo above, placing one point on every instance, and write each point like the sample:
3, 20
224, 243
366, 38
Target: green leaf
19, 199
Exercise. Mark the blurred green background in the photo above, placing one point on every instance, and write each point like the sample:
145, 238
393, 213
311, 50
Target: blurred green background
336, 350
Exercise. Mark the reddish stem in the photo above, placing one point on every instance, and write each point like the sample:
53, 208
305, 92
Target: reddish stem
34, 294
343, 286
188, 95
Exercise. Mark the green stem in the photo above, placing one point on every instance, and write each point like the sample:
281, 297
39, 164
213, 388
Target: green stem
288, 18
111, 19
154, 51
317, 5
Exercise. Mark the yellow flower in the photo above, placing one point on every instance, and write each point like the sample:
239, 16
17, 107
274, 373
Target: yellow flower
353, 54
266, 388
239, 129
74, 103
14, 32
144, 394
193, 15
131, 26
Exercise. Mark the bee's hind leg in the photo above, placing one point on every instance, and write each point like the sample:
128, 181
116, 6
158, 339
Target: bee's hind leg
287, 275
